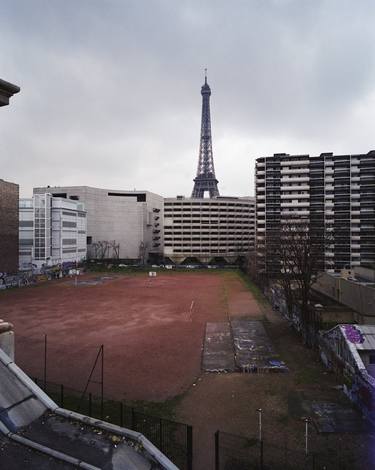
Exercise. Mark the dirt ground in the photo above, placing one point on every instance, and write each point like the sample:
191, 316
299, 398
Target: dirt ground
229, 403
153, 330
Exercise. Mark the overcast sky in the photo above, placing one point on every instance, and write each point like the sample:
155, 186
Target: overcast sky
110, 89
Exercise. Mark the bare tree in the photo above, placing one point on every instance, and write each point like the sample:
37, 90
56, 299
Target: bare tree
106, 249
142, 252
301, 252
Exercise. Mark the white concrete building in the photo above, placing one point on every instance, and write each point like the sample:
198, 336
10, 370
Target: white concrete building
51, 231
120, 224
209, 230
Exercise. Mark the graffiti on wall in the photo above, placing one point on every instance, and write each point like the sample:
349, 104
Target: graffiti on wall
353, 334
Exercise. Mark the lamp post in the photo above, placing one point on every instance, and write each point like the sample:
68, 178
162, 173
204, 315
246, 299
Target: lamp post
259, 410
306, 436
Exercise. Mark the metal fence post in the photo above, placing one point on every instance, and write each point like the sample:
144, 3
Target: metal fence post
261, 454
217, 451
90, 404
121, 414
161, 435
45, 362
62, 395
133, 420
189, 447
102, 386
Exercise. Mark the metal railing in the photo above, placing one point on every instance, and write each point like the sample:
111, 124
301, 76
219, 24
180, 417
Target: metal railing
243, 453
172, 438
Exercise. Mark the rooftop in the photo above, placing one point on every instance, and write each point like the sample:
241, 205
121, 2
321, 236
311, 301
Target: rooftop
34, 432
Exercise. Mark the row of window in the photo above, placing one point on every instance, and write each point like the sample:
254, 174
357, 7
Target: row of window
211, 252
226, 239
215, 232
206, 204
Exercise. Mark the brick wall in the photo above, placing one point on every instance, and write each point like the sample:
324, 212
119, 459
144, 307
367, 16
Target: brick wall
9, 196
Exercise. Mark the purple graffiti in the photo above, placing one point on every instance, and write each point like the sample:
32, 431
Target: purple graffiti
353, 334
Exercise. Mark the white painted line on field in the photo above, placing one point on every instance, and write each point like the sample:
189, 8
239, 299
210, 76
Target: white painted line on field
191, 311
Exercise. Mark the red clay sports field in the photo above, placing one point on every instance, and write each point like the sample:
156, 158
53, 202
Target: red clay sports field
152, 329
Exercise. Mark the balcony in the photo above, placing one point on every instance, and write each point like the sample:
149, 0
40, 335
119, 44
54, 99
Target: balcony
304, 187
295, 162
301, 171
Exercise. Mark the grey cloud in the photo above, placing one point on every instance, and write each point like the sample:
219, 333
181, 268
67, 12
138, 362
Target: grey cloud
110, 90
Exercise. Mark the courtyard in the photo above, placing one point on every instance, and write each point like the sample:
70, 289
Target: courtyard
153, 330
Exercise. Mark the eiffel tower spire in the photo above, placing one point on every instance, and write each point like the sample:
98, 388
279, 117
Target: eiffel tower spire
205, 181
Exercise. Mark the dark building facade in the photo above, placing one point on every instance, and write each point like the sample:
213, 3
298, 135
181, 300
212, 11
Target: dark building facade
331, 193
9, 196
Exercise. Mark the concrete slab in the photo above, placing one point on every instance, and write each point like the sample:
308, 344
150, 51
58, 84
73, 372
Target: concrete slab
253, 348
218, 354
96, 447
17, 456
335, 418
328, 417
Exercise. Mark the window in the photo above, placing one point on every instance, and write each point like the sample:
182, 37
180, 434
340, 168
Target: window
26, 242
69, 241
371, 359
69, 224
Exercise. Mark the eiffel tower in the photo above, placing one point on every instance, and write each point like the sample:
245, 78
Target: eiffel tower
205, 181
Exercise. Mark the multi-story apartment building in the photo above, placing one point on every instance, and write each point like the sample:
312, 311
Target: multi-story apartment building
9, 195
51, 231
208, 229
120, 224
333, 193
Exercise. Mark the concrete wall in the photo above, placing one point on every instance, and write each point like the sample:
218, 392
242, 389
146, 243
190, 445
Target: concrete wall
365, 273
355, 295
359, 384
7, 338
9, 195
127, 217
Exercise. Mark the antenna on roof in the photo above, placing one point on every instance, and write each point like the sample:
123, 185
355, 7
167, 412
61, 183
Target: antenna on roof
205, 76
